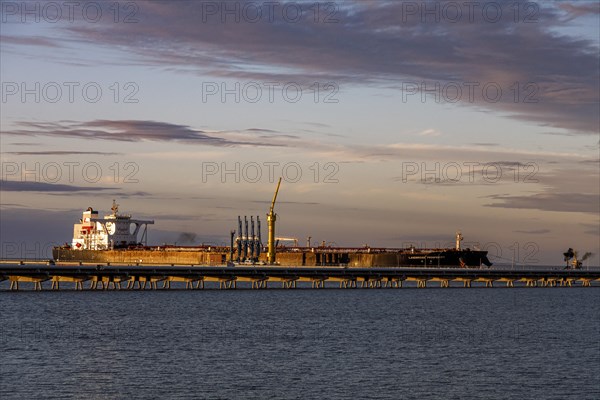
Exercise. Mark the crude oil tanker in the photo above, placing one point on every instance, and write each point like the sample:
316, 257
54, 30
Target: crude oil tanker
119, 239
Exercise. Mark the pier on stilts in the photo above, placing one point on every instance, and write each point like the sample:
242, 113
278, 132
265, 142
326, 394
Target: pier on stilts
104, 277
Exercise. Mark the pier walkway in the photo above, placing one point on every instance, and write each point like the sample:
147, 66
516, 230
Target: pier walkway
53, 277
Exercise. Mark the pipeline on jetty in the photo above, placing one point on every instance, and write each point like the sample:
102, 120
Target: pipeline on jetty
255, 277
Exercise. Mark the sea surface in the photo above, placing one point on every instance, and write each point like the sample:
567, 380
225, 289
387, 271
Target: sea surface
478, 343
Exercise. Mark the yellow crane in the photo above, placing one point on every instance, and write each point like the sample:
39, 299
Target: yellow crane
271, 217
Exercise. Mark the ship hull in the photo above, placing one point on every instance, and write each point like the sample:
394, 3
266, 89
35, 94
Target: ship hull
143, 256
310, 257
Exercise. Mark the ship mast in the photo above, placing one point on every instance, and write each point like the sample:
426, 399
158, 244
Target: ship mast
271, 217
459, 238
114, 208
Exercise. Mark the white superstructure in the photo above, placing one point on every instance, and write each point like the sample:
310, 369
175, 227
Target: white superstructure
113, 231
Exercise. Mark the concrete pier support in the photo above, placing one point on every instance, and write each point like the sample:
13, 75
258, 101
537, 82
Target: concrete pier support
549, 282
15, 280
371, 283
349, 283
444, 283
259, 284
566, 282
115, 285
318, 284
531, 283
137, 284
393, 283
375, 283
228, 284
421, 283
289, 284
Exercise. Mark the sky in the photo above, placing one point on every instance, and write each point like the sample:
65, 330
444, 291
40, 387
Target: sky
391, 122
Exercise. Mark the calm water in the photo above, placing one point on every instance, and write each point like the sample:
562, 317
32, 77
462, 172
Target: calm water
298, 344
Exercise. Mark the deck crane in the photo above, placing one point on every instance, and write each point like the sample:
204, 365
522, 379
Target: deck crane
271, 217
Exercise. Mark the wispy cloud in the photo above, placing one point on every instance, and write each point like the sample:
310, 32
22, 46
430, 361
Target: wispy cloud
430, 132
59, 153
533, 231
592, 229
563, 202
23, 186
576, 10
563, 190
137, 131
156, 131
377, 44
28, 41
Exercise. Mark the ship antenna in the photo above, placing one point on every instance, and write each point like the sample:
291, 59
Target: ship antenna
115, 207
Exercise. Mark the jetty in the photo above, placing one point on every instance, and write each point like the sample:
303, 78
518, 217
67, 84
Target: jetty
44, 276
